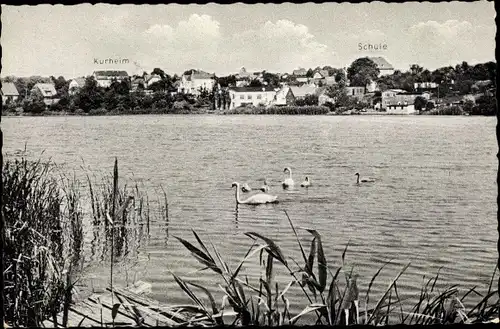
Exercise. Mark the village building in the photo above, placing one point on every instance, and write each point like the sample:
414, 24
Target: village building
256, 96
397, 101
149, 79
105, 78
284, 96
75, 85
383, 65
9, 93
425, 86
46, 92
195, 82
355, 92
300, 92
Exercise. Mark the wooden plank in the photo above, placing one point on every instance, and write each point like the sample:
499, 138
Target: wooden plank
151, 318
93, 311
107, 305
152, 304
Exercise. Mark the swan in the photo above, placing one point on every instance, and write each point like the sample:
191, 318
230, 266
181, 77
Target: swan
259, 198
288, 182
364, 179
306, 182
265, 187
245, 188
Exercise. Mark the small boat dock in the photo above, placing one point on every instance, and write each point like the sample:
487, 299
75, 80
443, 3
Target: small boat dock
122, 307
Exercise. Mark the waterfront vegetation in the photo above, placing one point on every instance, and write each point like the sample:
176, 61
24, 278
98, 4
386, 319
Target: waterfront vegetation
45, 210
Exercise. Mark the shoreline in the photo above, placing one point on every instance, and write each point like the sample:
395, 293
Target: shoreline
69, 114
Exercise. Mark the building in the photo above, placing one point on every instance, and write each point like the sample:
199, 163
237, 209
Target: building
195, 82
397, 97
149, 79
330, 80
372, 86
46, 91
137, 83
75, 85
383, 65
300, 72
256, 96
105, 78
401, 109
9, 92
323, 98
300, 92
284, 96
425, 85
356, 92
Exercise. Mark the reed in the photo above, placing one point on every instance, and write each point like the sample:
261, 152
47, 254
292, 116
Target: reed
325, 297
44, 210
39, 268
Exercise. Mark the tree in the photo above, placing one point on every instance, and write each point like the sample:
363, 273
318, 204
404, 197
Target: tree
159, 72
420, 103
90, 96
362, 71
416, 69
310, 73
255, 83
271, 79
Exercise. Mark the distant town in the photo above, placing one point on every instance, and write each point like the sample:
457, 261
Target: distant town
368, 85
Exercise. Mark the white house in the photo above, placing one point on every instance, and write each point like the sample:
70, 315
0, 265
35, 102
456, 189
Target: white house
46, 91
75, 84
383, 65
251, 96
9, 92
105, 78
401, 109
196, 81
150, 79
300, 92
284, 96
425, 85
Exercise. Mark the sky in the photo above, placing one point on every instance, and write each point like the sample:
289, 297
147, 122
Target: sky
67, 40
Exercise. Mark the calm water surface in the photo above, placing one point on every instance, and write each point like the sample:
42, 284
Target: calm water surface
433, 204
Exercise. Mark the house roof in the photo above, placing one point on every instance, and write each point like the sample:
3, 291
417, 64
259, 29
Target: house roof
9, 89
110, 73
248, 89
303, 90
300, 72
198, 74
382, 63
47, 89
79, 81
283, 91
151, 76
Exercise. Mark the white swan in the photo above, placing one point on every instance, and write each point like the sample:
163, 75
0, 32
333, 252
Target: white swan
288, 182
265, 187
259, 198
364, 179
306, 182
245, 188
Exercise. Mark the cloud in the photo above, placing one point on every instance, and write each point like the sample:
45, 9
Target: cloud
450, 40
282, 44
450, 29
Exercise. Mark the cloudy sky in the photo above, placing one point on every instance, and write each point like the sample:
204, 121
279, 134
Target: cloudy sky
65, 40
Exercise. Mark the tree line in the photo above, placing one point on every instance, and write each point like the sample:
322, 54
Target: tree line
161, 96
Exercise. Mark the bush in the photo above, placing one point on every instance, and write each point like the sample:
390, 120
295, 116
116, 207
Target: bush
447, 110
99, 111
281, 110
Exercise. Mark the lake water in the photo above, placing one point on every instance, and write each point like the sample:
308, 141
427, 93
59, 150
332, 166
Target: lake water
433, 203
